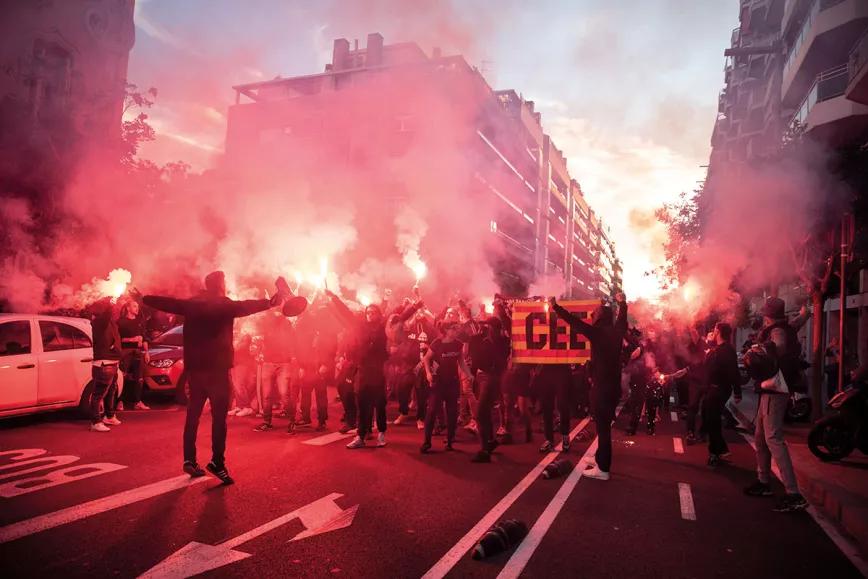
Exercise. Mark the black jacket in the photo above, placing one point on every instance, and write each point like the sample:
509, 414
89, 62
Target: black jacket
208, 322
606, 340
721, 366
106, 338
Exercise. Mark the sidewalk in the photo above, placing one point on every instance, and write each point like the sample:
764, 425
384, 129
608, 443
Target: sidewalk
838, 489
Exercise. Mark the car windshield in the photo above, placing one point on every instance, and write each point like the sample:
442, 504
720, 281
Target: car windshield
173, 337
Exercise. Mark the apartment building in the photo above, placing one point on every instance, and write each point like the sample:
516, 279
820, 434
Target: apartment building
381, 101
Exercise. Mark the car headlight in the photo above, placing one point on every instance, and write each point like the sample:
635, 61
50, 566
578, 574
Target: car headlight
161, 363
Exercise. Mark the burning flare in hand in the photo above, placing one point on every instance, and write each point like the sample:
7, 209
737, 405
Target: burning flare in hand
115, 283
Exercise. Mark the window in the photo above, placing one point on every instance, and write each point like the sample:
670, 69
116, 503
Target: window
57, 336
14, 338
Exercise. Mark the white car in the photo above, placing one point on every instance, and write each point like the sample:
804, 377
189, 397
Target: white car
45, 363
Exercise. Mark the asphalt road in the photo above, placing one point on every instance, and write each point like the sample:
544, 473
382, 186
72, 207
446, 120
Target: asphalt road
381, 512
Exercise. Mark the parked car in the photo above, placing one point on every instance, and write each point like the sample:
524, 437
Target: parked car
45, 363
165, 370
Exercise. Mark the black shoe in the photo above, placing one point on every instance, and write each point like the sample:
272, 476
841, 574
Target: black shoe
290, 428
791, 503
321, 427
481, 456
303, 422
758, 489
425, 448
547, 446
220, 472
193, 469
565, 444
650, 430
690, 439
713, 460
506, 439
492, 445
264, 427
449, 445
631, 431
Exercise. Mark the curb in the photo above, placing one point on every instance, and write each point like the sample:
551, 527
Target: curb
852, 519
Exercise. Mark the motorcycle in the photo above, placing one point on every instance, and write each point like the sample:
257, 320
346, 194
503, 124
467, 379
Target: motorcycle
799, 407
836, 435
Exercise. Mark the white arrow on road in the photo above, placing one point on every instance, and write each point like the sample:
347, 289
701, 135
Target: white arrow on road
320, 516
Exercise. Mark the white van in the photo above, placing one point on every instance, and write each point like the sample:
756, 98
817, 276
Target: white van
45, 363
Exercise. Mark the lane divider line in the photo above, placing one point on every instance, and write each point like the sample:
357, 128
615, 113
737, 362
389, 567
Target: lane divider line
685, 496
95, 507
673, 416
453, 555
525, 550
326, 439
678, 445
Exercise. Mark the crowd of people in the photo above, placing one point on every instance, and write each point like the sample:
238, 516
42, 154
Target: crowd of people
450, 370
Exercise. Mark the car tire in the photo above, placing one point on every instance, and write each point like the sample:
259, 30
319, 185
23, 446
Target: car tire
84, 402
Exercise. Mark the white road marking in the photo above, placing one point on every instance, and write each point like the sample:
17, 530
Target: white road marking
846, 546
54, 478
321, 516
673, 416
520, 558
82, 511
678, 445
326, 439
685, 496
451, 558
43, 462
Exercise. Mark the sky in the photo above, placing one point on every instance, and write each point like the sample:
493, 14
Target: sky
627, 88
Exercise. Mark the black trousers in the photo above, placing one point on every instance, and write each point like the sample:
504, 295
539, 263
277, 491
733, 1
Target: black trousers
216, 386
134, 369
405, 381
103, 399
316, 385
694, 406
651, 397
554, 385
489, 394
347, 392
712, 408
422, 391
603, 405
443, 393
372, 398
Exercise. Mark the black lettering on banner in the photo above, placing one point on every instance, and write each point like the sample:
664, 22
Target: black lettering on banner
534, 344
554, 331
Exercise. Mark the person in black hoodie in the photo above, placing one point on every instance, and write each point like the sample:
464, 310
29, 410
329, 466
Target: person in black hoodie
489, 353
369, 354
606, 340
208, 357
104, 369
723, 377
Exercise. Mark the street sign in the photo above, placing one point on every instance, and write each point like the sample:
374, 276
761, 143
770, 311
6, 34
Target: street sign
320, 516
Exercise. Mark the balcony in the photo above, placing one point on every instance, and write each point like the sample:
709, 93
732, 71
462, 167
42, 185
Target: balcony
826, 113
857, 72
825, 37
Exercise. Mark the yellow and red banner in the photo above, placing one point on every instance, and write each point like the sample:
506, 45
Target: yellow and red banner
539, 336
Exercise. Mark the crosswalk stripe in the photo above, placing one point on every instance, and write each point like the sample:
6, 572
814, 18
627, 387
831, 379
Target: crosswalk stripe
678, 445
685, 496
326, 439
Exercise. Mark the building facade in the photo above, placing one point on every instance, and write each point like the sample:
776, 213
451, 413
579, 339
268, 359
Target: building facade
797, 68
395, 102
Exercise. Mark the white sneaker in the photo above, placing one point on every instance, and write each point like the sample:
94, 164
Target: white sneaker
356, 443
501, 431
233, 411
120, 406
244, 412
99, 427
113, 421
472, 427
595, 472
402, 418
381, 440
142, 406
420, 425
